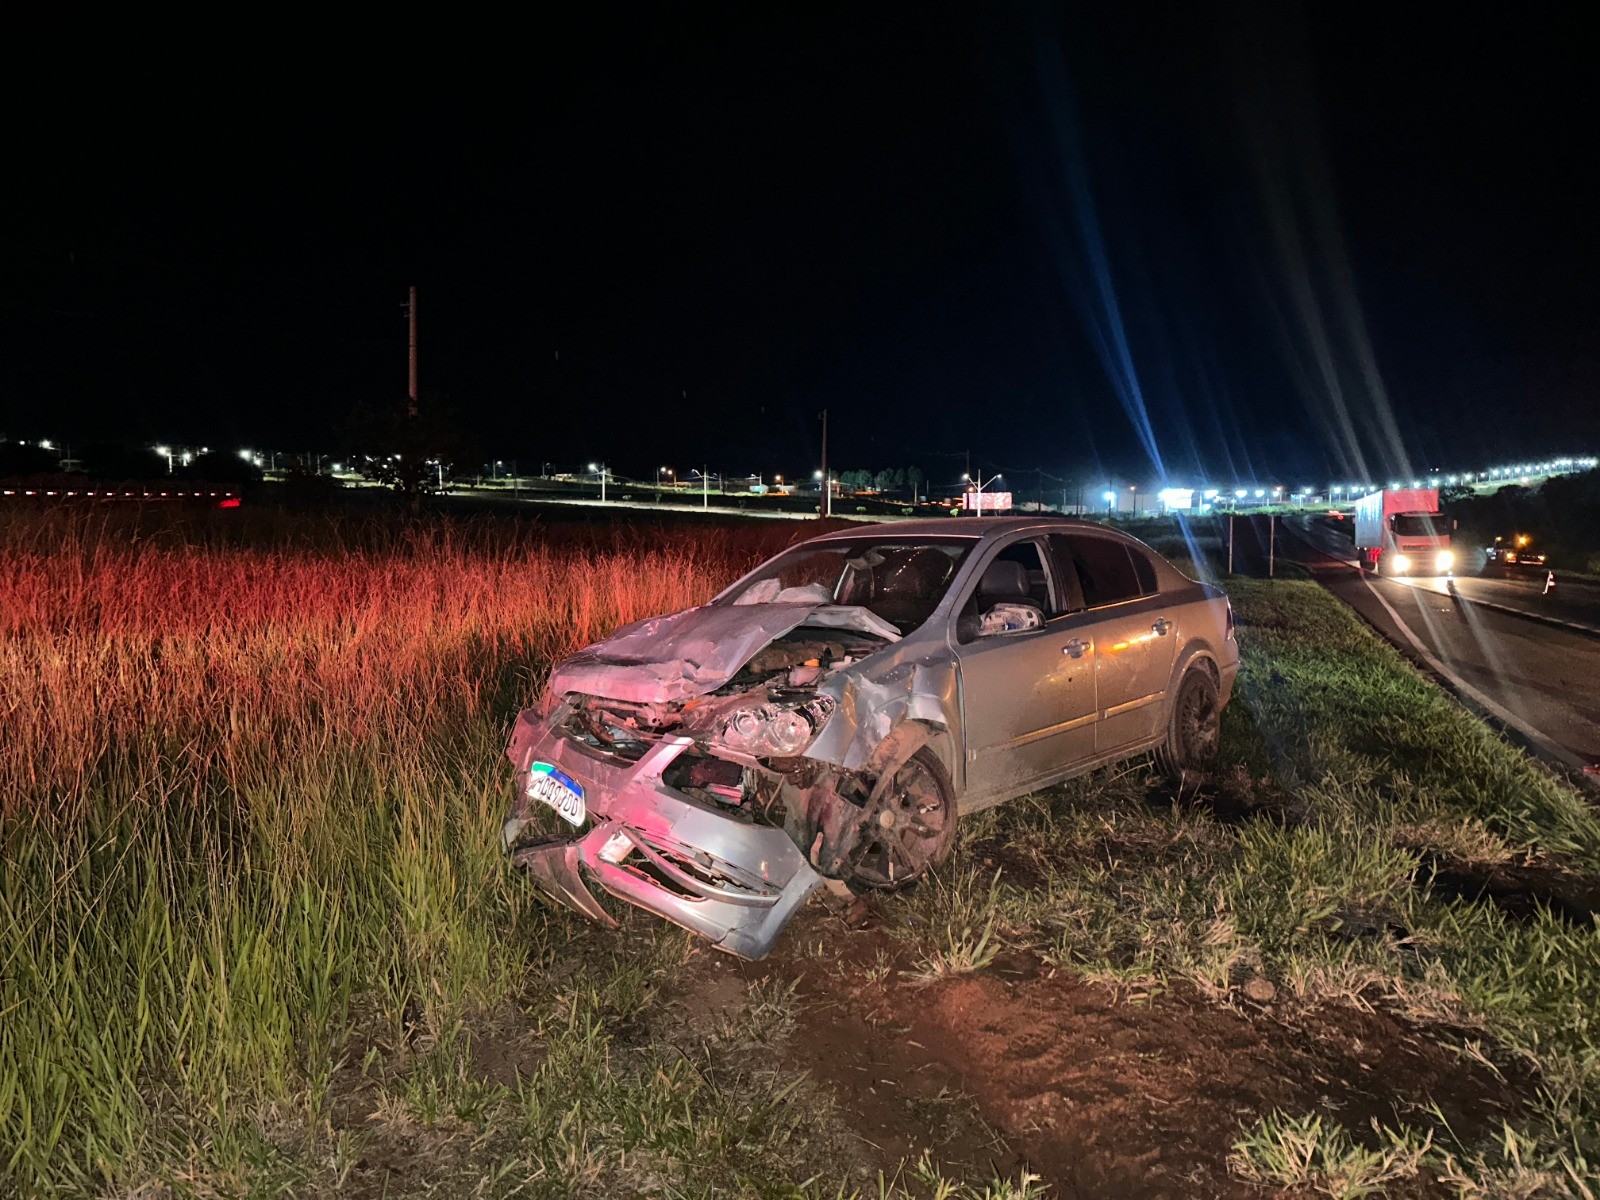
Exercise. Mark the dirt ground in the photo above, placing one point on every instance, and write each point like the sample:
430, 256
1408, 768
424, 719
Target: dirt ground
1020, 1066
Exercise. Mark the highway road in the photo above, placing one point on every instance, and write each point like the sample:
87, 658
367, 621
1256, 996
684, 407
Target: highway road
1540, 680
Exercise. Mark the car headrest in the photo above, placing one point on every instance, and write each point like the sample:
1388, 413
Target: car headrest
1004, 581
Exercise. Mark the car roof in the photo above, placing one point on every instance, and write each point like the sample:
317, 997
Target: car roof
972, 527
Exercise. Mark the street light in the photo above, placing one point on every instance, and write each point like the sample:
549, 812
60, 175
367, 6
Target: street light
977, 509
660, 471
601, 468
166, 450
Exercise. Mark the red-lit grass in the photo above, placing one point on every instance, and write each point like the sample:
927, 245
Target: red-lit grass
227, 656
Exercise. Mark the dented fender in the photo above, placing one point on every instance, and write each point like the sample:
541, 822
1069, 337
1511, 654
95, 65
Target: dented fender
871, 705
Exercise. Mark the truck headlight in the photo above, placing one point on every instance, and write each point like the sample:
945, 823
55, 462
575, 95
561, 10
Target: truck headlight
1402, 564
1443, 561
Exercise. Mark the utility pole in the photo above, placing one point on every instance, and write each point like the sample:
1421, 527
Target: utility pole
411, 374
827, 480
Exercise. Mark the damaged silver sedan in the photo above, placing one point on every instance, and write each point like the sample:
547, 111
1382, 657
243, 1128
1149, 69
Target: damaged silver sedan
833, 713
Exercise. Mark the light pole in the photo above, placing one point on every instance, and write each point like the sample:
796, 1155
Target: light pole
167, 451
826, 487
601, 468
1110, 499
660, 471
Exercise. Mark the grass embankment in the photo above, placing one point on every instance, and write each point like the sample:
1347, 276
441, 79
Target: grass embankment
1366, 843
255, 935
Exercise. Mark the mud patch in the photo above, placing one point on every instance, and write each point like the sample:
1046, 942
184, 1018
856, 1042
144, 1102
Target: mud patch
1520, 890
1098, 1095
1230, 794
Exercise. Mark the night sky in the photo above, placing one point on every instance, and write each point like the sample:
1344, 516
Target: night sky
1322, 242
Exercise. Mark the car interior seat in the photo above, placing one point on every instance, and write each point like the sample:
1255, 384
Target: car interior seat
1004, 582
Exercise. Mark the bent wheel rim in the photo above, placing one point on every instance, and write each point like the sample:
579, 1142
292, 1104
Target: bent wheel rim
914, 842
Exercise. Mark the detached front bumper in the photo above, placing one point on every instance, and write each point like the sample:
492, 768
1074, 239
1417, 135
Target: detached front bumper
733, 882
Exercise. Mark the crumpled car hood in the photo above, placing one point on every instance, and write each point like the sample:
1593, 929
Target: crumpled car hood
666, 660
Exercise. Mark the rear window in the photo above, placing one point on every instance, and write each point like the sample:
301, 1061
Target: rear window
1145, 570
1106, 571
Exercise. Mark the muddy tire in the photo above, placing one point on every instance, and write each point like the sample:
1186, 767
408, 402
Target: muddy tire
1194, 726
913, 830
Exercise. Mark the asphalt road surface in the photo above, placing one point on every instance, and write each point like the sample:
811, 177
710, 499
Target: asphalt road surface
1542, 681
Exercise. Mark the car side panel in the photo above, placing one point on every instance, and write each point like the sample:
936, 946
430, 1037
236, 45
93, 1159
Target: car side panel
1133, 660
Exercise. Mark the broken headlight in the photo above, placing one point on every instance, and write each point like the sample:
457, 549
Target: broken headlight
776, 729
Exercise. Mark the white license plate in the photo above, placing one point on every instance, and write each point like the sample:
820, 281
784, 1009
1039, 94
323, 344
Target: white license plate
553, 786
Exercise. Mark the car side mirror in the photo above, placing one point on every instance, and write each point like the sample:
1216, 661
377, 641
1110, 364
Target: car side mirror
1010, 617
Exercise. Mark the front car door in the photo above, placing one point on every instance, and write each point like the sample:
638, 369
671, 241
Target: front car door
1028, 696
1134, 641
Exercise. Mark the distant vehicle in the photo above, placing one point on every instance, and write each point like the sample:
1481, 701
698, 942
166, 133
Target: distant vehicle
834, 712
1399, 531
1514, 554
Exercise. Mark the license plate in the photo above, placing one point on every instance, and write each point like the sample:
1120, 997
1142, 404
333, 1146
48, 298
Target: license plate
553, 786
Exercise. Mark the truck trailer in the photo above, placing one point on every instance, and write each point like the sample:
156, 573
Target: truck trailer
1399, 532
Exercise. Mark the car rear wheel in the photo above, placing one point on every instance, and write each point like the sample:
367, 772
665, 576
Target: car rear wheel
910, 830
1194, 727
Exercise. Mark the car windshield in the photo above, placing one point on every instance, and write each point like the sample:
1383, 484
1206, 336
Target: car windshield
1414, 525
898, 579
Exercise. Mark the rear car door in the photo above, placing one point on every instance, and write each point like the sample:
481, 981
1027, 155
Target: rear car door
1027, 697
1134, 638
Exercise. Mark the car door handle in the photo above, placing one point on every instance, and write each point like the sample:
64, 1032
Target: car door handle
1162, 627
1075, 647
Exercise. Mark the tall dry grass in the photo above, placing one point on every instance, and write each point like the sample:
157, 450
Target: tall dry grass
224, 659
249, 784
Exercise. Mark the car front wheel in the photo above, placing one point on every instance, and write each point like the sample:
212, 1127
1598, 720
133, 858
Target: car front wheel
911, 829
1194, 727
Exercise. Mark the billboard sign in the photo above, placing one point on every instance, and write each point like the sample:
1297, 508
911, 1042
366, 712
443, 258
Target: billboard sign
988, 502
